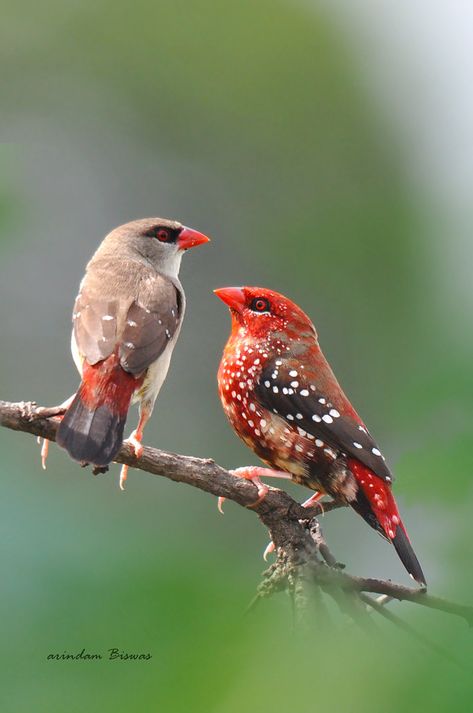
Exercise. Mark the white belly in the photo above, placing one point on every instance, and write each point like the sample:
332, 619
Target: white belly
78, 359
155, 377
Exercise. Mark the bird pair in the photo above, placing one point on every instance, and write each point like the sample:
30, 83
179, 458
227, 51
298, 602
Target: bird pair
276, 387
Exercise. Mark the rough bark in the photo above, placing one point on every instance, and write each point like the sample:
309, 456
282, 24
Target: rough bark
303, 555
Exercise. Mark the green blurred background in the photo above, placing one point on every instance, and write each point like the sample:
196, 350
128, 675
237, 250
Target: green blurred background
327, 151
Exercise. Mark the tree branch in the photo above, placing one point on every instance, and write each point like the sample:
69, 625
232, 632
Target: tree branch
299, 543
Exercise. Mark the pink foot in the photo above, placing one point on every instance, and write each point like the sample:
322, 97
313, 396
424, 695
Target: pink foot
313, 500
123, 476
135, 442
254, 474
44, 443
269, 549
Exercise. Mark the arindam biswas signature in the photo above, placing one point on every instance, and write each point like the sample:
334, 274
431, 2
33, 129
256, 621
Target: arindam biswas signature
109, 655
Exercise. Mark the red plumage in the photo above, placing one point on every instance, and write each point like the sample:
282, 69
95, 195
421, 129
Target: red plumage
92, 428
108, 384
283, 400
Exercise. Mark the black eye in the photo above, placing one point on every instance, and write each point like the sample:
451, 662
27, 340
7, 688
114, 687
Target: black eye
260, 304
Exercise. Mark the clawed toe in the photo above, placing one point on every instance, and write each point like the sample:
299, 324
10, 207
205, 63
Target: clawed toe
44, 443
135, 442
270, 547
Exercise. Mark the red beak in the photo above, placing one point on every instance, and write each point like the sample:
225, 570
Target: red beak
234, 297
189, 238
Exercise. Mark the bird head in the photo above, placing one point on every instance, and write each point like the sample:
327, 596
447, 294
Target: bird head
258, 311
158, 240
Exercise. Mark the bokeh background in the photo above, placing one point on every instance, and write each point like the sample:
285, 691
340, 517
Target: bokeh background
327, 149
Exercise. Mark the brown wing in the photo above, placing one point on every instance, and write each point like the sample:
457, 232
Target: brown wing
147, 332
95, 326
137, 327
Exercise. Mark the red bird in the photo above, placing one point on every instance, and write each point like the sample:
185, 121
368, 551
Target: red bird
282, 398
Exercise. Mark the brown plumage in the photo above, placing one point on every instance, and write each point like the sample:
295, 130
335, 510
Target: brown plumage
126, 320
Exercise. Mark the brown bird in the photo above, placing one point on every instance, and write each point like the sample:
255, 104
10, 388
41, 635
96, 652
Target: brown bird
126, 321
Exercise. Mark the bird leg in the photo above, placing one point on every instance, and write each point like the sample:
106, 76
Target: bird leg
254, 473
56, 412
313, 500
134, 441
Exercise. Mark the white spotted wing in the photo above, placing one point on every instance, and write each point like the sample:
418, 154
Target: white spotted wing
287, 392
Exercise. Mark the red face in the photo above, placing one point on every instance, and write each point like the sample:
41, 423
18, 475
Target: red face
259, 311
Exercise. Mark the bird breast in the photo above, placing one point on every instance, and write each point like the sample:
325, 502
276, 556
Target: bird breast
267, 434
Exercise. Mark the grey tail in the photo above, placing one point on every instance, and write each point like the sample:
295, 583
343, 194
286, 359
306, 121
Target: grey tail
91, 436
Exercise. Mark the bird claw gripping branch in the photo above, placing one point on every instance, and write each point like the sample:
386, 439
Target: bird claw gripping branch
254, 474
283, 400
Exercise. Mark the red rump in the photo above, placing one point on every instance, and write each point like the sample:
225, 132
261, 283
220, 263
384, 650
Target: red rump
381, 500
107, 384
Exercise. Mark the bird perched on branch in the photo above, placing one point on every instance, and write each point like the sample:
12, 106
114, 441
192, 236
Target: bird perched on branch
282, 398
126, 320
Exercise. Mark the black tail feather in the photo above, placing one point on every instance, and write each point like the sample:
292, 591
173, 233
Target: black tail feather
400, 541
91, 436
407, 555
